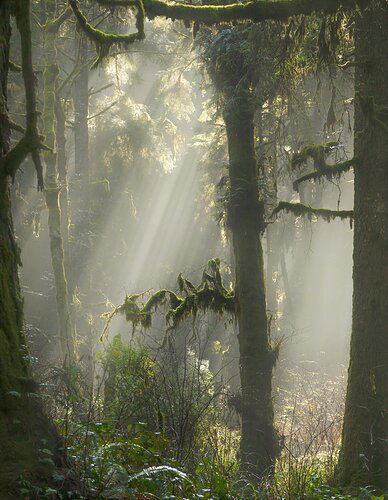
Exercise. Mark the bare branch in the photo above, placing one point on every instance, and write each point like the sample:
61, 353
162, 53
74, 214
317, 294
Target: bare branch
103, 110
93, 92
55, 24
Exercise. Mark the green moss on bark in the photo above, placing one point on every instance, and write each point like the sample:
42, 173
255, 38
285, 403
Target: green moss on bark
258, 11
298, 209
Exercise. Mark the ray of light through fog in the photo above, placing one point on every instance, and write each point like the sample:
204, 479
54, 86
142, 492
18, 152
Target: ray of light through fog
162, 242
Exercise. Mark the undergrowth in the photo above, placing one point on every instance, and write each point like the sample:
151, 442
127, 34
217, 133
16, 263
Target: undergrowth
156, 425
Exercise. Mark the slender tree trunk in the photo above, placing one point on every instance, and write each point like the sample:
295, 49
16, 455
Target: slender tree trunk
81, 109
246, 219
22, 421
364, 453
83, 218
52, 189
63, 182
81, 189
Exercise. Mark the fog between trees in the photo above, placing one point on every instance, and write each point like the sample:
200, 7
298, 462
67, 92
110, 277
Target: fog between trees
205, 255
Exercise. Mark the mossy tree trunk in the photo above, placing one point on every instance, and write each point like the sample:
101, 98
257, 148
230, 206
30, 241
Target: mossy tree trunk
52, 189
230, 74
246, 219
268, 168
60, 134
83, 221
81, 191
23, 425
364, 453
81, 108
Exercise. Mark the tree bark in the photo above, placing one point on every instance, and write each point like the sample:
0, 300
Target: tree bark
246, 219
81, 108
63, 182
23, 424
364, 453
81, 192
83, 216
66, 334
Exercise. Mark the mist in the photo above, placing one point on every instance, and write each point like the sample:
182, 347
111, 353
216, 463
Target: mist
187, 271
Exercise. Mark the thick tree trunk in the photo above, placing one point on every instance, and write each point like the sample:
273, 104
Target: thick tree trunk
246, 219
66, 335
364, 453
22, 421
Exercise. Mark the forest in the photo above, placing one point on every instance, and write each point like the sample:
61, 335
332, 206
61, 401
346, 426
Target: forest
194, 249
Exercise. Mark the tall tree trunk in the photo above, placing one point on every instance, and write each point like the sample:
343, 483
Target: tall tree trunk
246, 219
66, 333
22, 421
246, 222
81, 108
364, 453
82, 194
63, 181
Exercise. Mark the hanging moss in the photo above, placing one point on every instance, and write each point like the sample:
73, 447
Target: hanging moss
209, 295
298, 209
105, 40
184, 284
317, 152
260, 10
328, 172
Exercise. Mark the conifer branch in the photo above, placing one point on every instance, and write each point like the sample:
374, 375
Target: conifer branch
326, 172
298, 209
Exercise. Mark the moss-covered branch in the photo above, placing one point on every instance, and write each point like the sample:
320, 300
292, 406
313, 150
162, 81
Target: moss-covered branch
105, 40
326, 172
16, 68
317, 152
257, 11
30, 143
209, 295
298, 209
